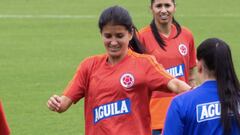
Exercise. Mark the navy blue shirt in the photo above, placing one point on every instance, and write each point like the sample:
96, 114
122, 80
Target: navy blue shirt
197, 112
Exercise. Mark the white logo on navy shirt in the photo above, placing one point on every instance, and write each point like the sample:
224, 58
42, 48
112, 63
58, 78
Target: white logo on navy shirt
112, 109
127, 80
208, 111
183, 49
176, 71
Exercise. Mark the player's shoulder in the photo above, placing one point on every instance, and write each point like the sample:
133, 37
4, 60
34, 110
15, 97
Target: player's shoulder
95, 58
140, 56
144, 59
186, 30
184, 99
92, 61
190, 95
145, 30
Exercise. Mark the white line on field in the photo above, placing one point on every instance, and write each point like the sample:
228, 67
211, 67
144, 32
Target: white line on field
48, 16
94, 16
210, 15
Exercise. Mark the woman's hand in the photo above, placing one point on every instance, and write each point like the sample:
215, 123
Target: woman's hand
59, 103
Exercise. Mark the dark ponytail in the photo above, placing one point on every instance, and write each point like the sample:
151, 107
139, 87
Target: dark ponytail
117, 15
228, 85
156, 35
135, 44
178, 27
217, 57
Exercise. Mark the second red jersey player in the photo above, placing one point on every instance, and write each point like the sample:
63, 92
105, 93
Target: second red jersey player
177, 60
173, 47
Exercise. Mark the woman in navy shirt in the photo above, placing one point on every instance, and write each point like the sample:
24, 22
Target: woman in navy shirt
213, 108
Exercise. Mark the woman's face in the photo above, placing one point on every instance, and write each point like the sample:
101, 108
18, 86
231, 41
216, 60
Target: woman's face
163, 11
116, 39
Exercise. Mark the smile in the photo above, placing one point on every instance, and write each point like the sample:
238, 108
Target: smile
163, 17
114, 49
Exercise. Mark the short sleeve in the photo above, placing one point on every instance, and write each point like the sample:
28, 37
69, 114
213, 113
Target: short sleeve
78, 85
173, 123
157, 77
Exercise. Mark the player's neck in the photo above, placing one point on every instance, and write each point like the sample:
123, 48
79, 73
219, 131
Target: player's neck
164, 29
113, 60
207, 77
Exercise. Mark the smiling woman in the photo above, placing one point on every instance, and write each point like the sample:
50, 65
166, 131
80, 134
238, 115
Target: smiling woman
116, 39
116, 94
118, 33
173, 47
163, 11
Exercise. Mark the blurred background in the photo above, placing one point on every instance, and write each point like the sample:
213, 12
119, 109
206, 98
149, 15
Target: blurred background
43, 41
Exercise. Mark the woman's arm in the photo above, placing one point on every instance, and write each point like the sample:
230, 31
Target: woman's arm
192, 80
178, 86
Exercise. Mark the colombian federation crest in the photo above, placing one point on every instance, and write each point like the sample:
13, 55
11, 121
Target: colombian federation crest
127, 80
183, 49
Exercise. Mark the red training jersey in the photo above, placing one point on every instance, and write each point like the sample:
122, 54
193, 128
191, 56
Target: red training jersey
4, 129
117, 96
178, 59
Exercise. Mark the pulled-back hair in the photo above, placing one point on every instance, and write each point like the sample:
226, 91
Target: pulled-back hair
216, 55
117, 15
152, 1
155, 32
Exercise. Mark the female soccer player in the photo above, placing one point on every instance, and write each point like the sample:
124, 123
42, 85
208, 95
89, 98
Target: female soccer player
173, 47
213, 108
116, 86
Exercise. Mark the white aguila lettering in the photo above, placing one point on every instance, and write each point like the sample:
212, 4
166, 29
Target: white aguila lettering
112, 109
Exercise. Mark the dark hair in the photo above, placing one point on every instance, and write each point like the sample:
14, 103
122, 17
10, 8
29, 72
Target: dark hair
155, 32
117, 15
216, 55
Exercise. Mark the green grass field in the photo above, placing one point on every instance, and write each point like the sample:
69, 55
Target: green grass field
42, 42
